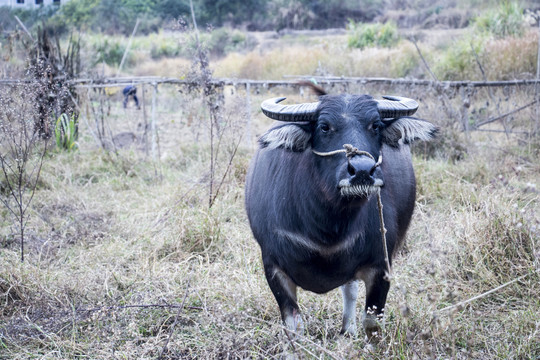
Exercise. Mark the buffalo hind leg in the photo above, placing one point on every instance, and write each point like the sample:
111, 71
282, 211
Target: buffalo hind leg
350, 294
376, 291
284, 290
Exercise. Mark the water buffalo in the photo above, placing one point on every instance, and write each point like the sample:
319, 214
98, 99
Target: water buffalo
312, 209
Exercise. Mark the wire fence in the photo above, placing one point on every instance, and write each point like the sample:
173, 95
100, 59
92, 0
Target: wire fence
171, 108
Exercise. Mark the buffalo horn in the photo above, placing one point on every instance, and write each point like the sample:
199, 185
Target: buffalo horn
297, 112
396, 106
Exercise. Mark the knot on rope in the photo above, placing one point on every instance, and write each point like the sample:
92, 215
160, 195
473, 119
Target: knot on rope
351, 151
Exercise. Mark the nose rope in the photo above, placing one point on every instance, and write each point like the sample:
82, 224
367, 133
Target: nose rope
388, 273
350, 151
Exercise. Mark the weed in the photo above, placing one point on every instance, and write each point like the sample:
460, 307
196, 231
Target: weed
66, 132
498, 244
507, 58
511, 58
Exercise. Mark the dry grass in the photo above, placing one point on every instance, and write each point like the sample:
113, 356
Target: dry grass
448, 53
107, 232
124, 256
511, 58
450, 56
323, 59
272, 64
167, 67
499, 59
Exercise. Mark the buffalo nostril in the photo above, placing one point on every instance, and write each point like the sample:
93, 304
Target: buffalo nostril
360, 166
351, 169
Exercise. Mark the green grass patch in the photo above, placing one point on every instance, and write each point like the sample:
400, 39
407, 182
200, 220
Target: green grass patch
369, 35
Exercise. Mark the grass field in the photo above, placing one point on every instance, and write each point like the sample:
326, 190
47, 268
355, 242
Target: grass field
124, 258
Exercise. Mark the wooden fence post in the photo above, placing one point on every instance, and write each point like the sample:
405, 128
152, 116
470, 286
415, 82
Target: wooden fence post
537, 122
153, 122
466, 103
248, 108
145, 123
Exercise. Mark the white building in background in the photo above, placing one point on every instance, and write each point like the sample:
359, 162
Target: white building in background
30, 3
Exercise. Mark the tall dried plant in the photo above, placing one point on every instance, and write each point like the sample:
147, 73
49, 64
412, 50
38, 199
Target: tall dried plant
50, 69
21, 153
219, 125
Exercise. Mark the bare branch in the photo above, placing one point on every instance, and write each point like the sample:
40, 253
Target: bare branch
464, 302
24, 28
507, 114
231, 158
413, 40
140, 306
175, 320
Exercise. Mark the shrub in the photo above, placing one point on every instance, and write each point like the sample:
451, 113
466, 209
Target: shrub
458, 61
31, 17
222, 41
507, 20
369, 35
165, 49
501, 59
217, 41
110, 52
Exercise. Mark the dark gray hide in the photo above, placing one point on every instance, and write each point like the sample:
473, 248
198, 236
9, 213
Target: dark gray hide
316, 218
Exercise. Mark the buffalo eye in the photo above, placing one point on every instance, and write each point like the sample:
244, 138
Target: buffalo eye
376, 125
324, 128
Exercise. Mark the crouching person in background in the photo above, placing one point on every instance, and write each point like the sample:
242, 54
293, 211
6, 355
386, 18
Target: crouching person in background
128, 91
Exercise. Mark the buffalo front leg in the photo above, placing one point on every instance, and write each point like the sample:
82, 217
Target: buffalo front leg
284, 290
376, 291
350, 294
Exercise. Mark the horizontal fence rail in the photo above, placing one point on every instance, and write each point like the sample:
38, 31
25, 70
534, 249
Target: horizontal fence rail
123, 81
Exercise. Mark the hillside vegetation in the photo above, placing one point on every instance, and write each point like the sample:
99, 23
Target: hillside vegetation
496, 42
255, 15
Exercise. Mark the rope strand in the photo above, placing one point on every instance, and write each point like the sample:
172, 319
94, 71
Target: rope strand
388, 276
350, 151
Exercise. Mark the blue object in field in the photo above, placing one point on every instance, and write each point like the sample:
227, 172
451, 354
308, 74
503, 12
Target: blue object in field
128, 91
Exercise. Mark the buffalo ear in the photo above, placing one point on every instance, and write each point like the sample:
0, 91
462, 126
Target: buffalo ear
291, 136
407, 129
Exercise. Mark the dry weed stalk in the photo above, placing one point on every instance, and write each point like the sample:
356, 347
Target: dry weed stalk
21, 154
99, 108
200, 80
165, 346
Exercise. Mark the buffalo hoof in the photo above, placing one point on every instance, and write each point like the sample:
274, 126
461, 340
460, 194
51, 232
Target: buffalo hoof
349, 328
372, 328
294, 325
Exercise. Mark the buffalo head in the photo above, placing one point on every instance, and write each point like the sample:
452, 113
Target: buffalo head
361, 124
